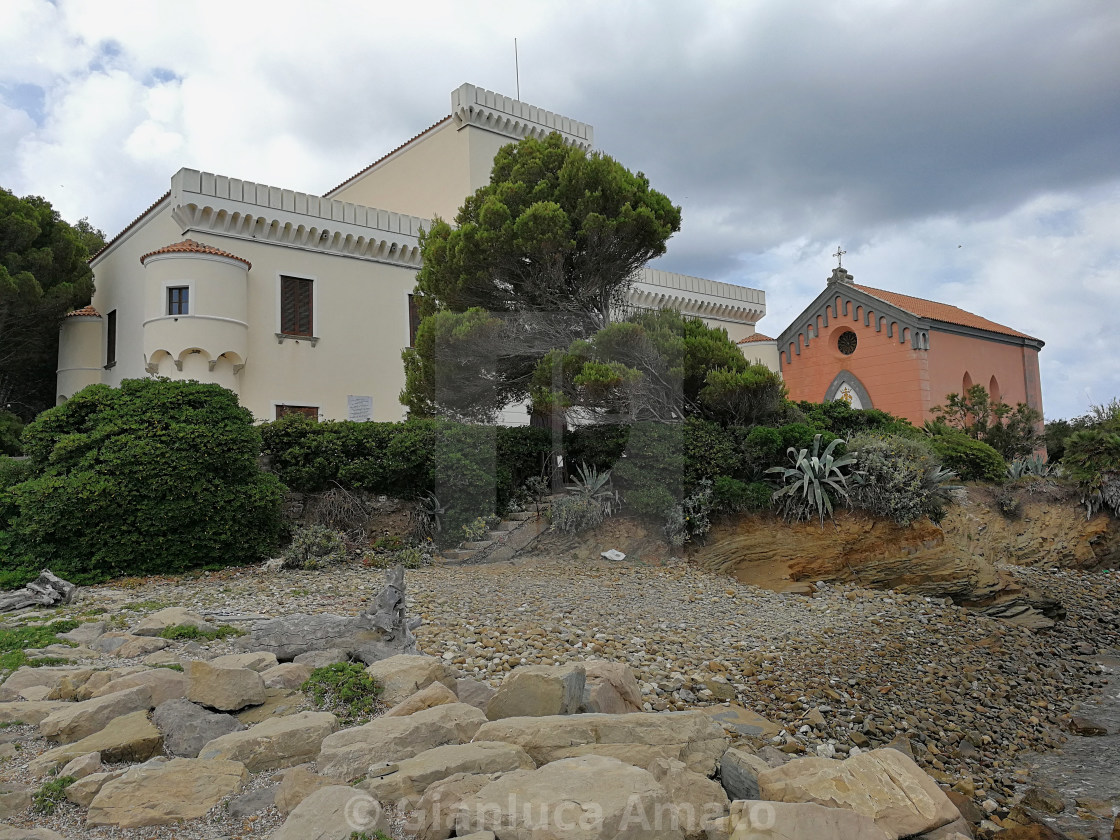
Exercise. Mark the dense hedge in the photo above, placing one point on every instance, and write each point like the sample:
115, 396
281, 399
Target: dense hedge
472, 469
149, 478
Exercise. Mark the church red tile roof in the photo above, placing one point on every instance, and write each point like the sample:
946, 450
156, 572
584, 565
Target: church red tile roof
935, 311
85, 311
756, 337
358, 174
189, 246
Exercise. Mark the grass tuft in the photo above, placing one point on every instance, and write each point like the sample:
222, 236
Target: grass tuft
345, 689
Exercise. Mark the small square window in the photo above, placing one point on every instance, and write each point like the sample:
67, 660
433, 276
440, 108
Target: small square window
178, 300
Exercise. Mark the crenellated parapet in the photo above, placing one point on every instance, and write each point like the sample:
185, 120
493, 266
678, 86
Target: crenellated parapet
209, 203
471, 105
696, 296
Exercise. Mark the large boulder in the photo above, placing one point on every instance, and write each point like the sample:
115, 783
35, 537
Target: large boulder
127, 645
287, 675
259, 660
638, 739
164, 684
274, 744
127, 738
157, 622
32, 712
165, 792
333, 813
277, 703
348, 754
436, 694
883, 784
414, 775
696, 799
83, 791
10, 832
738, 773
592, 797
610, 688
98, 680
298, 784
14, 799
187, 727
224, 689
27, 677
402, 676
753, 820
473, 693
80, 720
539, 691
82, 766
435, 813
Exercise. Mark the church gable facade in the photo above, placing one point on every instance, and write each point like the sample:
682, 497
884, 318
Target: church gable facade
901, 354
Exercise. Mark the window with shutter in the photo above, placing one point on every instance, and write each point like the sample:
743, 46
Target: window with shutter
296, 300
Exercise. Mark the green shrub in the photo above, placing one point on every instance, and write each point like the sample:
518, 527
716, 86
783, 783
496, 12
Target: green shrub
51, 794
345, 689
314, 547
575, 514
1092, 459
10, 429
801, 436
153, 477
650, 477
410, 558
690, 520
762, 449
712, 450
729, 495
898, 478
599, 446
839, 418
807, 488
971, 459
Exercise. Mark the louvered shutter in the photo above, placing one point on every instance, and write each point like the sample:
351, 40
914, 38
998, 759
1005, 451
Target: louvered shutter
289, 313
304, 305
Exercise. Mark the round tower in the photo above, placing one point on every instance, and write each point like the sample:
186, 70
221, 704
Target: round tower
79, 352
196, 313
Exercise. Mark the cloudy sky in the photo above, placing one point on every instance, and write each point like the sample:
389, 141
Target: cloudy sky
959, 150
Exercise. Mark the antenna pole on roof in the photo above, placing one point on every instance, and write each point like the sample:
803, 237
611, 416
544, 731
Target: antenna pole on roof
517, 69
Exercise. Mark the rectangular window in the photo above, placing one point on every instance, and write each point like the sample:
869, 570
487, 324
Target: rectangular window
178, 300
295, 306
413, 320
111, 339
311, 411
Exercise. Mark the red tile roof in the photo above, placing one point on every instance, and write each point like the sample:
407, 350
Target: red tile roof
357, 175
189, 246
935, 311
132, 224
85, 311
756, 337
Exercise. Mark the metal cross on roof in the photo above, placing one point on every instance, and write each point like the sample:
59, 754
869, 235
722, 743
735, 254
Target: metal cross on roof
840, 252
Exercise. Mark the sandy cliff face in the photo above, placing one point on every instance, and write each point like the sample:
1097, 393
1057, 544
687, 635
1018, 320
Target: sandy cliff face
958, 559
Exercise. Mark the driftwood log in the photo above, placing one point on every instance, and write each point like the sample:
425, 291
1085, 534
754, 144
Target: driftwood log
47, 590
382, 631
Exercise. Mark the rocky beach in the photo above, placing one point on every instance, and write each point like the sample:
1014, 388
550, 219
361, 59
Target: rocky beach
847, 669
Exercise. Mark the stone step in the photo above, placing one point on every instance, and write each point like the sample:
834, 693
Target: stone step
504, 526
477, 546
453, 556
520, 516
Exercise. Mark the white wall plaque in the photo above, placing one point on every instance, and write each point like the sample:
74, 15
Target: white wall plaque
359, 409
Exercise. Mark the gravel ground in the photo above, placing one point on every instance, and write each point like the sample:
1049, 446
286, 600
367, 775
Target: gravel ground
847, 667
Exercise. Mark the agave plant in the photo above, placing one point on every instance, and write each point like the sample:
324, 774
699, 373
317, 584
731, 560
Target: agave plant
1031, 465
596, 486
806, 489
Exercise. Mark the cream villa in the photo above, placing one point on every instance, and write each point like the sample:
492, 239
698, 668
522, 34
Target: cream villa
301, 302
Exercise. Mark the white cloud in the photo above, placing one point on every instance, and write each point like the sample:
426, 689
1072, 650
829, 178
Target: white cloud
902, 131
